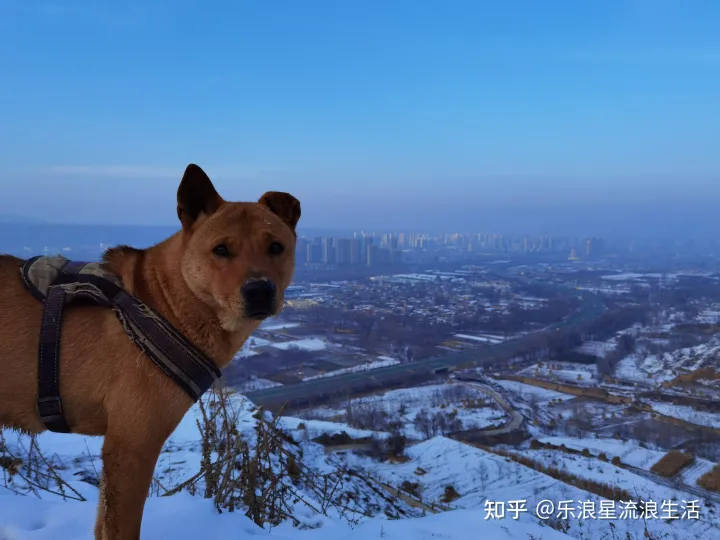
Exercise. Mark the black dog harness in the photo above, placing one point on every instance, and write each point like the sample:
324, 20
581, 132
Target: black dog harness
58, 282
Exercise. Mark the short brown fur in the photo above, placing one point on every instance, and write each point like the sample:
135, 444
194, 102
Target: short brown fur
107, 385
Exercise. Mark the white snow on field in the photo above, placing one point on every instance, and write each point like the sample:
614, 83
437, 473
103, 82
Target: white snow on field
479, 476
596, 348
708, 316
688, 414
310, 429
279, 326
427, 277
354, 369
563, 371
244, 353
483, 338
541, 396
596, 470
631, 277
255, 383
254, 342
309, 344
634, 368
695, 470
605, 290
667, 366
472, 407
250, 344
629, 452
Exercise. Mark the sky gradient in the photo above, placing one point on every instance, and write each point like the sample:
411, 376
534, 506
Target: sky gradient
463, 114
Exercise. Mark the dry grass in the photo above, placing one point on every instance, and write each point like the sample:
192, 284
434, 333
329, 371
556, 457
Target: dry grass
711, 479
264, 476
26, 470
412, 488
450, 494
706, 373
672, 463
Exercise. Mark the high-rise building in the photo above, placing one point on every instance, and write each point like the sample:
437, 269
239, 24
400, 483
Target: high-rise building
301, 248
373, 253
328, 250
314, 251
356, 251
343, 249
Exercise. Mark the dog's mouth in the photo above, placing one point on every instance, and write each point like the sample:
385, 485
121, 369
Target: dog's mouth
258, 314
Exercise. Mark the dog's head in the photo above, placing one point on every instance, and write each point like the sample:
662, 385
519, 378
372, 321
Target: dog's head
238, 257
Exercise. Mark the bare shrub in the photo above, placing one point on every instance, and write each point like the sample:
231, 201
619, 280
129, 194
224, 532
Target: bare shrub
262, 474
412, 488
26, 470
450, 494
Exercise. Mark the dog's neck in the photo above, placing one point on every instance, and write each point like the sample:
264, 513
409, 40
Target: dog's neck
153, 275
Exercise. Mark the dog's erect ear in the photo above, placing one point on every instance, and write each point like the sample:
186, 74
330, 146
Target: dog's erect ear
196, 195
283, 205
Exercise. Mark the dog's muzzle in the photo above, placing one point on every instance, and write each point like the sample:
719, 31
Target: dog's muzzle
260, 297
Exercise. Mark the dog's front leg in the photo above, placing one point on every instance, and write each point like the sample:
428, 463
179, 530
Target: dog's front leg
128, 464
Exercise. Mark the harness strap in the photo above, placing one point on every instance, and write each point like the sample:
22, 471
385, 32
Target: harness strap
49, 404
168, 349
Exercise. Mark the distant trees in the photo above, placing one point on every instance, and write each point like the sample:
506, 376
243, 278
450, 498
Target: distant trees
439, 423
625, 346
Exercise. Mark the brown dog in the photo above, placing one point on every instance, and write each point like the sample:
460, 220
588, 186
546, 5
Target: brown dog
213, 281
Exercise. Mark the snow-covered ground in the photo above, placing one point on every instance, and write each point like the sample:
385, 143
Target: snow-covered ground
606, 290
539, 396
478, 476
631, 453
709, 316
688, 414
309, 344
472, 407
596, 348
631, 277
274, 327
302, 429
248, 348
481, 479
667, 366
255, 383
563, 371
182, 517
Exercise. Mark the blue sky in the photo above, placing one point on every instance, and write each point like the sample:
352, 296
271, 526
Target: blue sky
467, 113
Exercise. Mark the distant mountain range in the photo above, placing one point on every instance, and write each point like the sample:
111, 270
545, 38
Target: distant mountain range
20, 220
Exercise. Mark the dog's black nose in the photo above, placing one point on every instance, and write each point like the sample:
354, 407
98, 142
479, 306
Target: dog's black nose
259, 295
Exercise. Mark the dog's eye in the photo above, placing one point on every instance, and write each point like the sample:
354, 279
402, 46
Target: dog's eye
276, 248
221, 250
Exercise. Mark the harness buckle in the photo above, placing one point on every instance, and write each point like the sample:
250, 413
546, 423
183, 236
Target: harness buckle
50, 408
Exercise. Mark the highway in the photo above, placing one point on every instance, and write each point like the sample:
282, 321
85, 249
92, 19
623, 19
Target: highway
274, 397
